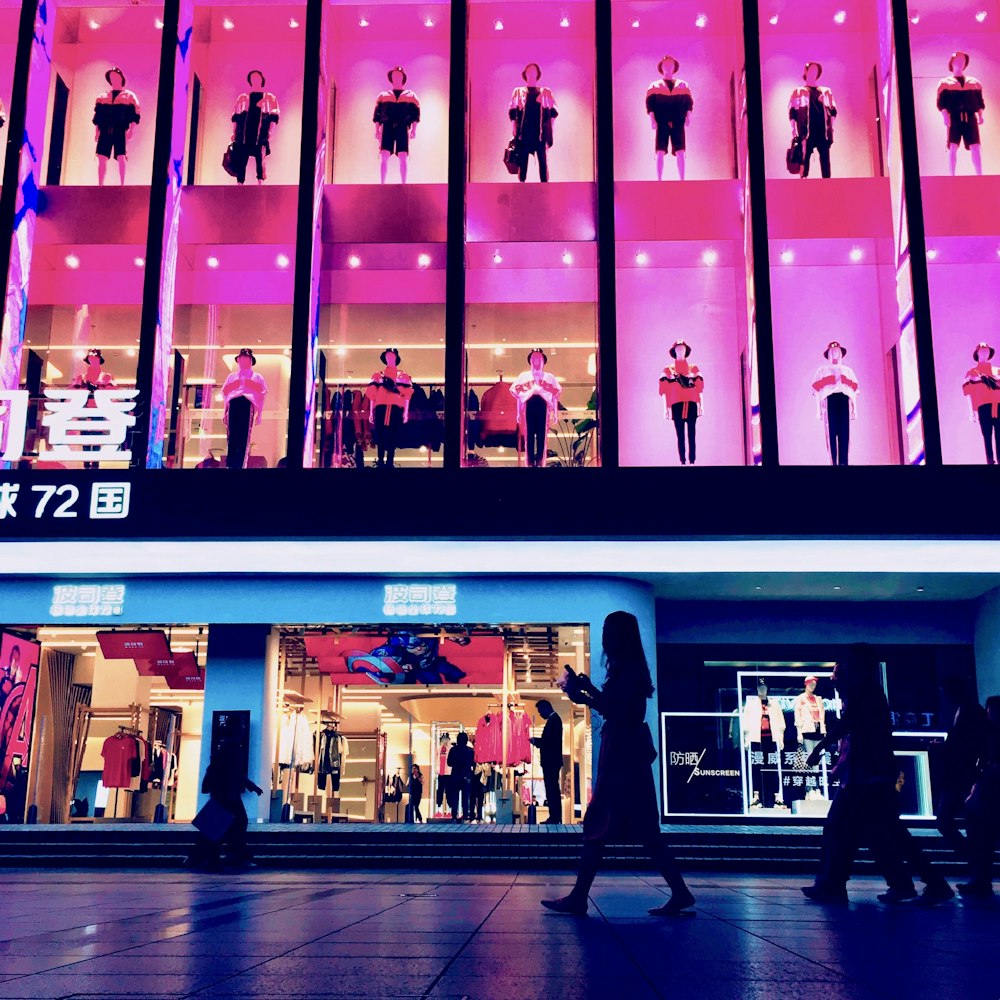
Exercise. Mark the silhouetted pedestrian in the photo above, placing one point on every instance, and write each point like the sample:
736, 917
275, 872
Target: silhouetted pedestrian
416, 792
982, 810
866, 808
461, 760
550, 747
623, 806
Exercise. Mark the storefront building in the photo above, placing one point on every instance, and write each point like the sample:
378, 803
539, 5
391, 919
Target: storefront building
254, 252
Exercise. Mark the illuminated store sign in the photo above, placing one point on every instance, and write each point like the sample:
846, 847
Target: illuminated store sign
86, 600
420, 599
108, 501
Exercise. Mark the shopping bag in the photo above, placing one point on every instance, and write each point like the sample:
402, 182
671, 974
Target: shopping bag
214, 821
794, 157
511, 160
227, 160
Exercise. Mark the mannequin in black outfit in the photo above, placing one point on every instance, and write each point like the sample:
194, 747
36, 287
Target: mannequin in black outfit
532, 109
551, 751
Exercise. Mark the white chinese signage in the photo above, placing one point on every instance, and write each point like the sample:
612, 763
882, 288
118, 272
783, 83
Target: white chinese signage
107, 501
405, 599
87, 600
82, 426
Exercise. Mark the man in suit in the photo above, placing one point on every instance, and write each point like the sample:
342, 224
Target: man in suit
550, 744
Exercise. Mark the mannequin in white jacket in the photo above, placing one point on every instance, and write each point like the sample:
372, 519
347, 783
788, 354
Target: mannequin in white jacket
764, 733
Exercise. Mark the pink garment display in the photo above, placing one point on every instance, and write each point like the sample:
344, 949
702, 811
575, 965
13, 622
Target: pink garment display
488, 737
519, 745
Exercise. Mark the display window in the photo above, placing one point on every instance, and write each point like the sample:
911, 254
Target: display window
10, 15
833, 221
384, 723
531, 356
119, 715
685, 331
956, 53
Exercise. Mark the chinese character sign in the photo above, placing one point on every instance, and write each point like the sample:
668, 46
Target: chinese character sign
87, 600
88, 426
13, 423
18, 681
437, 599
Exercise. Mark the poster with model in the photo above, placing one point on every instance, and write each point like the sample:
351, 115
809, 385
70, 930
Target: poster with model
18, 682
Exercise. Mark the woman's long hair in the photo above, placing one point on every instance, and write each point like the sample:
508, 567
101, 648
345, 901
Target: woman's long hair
623, 654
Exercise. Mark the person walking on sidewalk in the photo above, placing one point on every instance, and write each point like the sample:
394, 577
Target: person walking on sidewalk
623, 806
866, 808
982, 811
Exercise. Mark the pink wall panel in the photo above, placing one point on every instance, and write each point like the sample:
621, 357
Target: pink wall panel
848, 59
707, 211
501, 212
965, 309
812, 306
708, 61
357, 68
655, 308
511, 284
843, 207
961, 206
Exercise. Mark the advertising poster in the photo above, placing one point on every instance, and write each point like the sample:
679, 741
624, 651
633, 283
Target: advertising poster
18, 682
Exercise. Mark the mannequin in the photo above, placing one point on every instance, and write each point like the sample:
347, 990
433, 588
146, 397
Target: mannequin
982, 386
681, 386
836, 389
960, 101
811, 110
92, 378
3, 114
537, 394
763, 733
810, 715
388, 395
669, 104
243, 393
116, 114
397, 112
254, 115
532, 109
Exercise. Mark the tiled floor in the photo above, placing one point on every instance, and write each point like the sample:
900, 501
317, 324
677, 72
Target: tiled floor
478, 936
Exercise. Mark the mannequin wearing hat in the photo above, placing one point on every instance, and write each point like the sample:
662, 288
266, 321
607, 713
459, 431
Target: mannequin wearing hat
397, 112
388, 394
836, 389
960, 101
532, 111
810, 714
116, 114
669, 105
982, 386
93, 378
537, 394
243, 394
681, 386
255, 113
811, 110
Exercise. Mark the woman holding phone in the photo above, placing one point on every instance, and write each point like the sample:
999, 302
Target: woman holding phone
623, 806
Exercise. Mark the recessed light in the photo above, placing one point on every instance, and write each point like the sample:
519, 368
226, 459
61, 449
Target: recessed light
920, 590
424, 260
838, 588
567, 257
856, 255
710, 257
354, 260
139, 261
94, 25
158, 23
564, 22
758, 588
497, 352
341, 351
428, 22
642, 257
498, 25
282, 260
635, 22
72, 261
292, 23
701, 21
363, 22
773, 19
981, 16
840, 17
228, 23
497, 257
131, 352
915, 17
787, 256
212, 262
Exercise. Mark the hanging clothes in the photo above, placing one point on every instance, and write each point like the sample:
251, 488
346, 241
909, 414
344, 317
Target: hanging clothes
121, 758
295, 747
331, 753
497, 419
488, 738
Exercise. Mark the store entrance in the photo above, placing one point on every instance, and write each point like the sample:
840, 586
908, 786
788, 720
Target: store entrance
391, 723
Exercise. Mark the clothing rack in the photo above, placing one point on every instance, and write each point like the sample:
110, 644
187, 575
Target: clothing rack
83, 717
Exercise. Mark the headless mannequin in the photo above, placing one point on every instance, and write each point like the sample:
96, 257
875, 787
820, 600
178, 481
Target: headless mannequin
765, 787
397, 80
117, 82
960, 101
243, 392
673, 103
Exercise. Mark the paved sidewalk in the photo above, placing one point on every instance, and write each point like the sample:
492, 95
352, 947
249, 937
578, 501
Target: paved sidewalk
481, 936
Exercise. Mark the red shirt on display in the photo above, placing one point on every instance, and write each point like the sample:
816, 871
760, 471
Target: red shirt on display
978, 387
118, 752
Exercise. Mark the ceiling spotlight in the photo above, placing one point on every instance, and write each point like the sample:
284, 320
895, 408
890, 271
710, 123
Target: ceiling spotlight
932, 254
354, 260
364, 22
564, 21
567, 257
158, 23
701, 21
642, 257
131, 352
710, 257
840, 17
981, 16
72, 261
428, 22
838, 588
341, 351
787, 256
498, 352
856, 255
292, 23
915, 17
212, 262
635, 22
424, 260
773, 19
139, 261
497, 257
282, 260
498, 25
228, 23
94, 25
